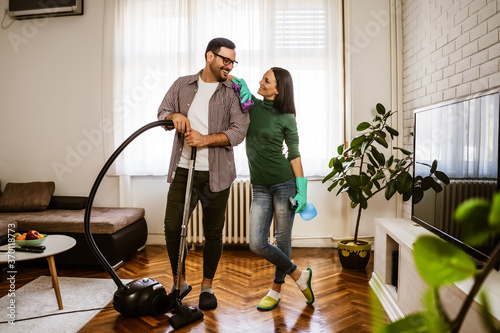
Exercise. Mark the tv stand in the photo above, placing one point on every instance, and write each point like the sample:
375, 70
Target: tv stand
399, 287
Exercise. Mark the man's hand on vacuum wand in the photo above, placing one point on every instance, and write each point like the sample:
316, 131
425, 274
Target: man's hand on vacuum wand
195, 139
181, 122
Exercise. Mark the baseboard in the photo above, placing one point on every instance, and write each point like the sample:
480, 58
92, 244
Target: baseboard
155, 239
319, 241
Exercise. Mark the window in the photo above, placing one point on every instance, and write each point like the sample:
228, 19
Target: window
150, 43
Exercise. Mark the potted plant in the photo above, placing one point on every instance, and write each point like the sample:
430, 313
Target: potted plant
361, 170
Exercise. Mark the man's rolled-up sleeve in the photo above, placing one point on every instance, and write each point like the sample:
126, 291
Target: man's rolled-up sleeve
238, 123
167, 106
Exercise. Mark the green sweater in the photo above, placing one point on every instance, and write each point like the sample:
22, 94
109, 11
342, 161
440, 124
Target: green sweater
264, 144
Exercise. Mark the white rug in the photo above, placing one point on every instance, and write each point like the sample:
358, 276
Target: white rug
38, 298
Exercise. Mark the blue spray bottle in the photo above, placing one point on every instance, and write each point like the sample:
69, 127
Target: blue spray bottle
308, 213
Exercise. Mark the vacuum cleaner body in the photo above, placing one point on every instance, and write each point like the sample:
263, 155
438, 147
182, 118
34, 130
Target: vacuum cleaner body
142, 297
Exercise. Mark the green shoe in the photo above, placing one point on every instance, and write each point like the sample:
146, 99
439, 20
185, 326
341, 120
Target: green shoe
308, 293
267, 303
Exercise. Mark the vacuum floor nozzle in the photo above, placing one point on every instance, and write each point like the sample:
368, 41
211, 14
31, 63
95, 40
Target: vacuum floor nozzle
184, 315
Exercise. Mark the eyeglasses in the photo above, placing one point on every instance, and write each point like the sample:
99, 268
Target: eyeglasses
227, 61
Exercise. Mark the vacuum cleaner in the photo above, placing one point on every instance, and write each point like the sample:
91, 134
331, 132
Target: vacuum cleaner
147, 296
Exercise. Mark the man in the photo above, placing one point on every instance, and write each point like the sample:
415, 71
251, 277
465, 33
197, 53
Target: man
206, 114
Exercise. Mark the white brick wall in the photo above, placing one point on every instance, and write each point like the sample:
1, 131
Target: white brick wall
450, 49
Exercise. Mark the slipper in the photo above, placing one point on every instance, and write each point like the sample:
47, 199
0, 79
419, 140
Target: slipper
267, 303
208, 301
308, 293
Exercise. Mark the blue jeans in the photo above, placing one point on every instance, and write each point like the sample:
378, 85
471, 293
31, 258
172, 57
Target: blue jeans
268, 200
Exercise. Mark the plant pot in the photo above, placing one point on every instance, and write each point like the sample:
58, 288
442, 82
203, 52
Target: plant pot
354, 257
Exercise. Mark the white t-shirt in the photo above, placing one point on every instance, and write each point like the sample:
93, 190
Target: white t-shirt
198, 117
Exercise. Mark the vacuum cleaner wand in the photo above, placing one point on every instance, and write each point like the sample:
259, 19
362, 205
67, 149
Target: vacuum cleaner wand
140, 297
184, 315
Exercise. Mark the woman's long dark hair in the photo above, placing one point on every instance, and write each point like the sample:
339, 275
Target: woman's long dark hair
284, 101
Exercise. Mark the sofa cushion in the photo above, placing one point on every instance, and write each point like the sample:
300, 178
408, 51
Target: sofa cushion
102, 220
26, 197
67, 202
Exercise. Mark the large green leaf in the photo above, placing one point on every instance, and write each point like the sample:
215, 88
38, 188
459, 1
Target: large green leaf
378, 156
434, 166
353, 180
372, 160
389, 162
392, 131
333, 185
367, 191
363, 202
427, 183
407, 195
382, 142
494, 218
365, 145
381, 134
380, 108
440, 263
337, 164
378, 175
357, 141
404, 182
436, 186
442, 177
472, 215
390, 189
419, 322
340, 149
362, 126
404, 151
418, 195
329, 176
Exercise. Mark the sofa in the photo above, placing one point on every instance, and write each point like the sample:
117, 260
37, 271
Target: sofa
117, 232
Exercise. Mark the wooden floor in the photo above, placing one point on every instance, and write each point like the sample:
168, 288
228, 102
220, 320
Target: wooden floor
342, 297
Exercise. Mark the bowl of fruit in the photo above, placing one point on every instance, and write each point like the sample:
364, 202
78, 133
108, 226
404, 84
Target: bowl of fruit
31, 237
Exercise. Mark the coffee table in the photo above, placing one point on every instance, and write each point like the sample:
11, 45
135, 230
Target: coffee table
54, 244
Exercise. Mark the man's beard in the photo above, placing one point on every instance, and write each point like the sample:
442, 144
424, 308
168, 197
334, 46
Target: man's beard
217, 72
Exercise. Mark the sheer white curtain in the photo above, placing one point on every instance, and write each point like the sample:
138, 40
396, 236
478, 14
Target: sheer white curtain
150, 43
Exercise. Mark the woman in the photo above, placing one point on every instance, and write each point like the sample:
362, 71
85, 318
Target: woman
275, 179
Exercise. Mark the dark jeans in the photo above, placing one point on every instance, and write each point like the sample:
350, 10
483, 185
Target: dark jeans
214, 215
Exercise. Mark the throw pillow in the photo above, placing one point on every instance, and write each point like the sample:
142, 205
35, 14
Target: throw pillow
26, 197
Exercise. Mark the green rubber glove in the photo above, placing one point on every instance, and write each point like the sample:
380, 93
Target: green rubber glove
301, 197
245, 93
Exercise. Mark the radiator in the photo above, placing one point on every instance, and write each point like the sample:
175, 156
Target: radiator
455, 193
237, 217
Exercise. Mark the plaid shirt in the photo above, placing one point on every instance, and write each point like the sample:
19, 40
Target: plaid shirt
224, 116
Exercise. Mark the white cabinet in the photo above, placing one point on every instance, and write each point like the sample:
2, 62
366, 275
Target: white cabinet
398, 285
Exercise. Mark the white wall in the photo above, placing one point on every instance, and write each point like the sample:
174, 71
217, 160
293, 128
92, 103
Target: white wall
50, 97
369, 61
50, 115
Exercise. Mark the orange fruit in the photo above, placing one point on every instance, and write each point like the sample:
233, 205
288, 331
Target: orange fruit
21, 237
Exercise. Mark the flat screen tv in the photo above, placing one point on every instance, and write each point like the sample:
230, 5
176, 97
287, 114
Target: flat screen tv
463, 136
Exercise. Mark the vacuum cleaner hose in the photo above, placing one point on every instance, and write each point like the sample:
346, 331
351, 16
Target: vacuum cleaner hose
88, 235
